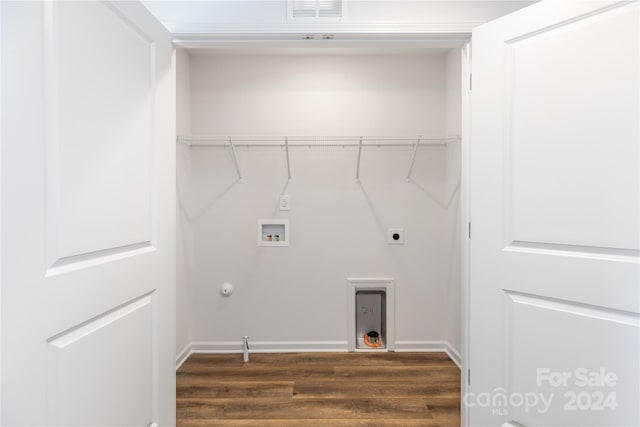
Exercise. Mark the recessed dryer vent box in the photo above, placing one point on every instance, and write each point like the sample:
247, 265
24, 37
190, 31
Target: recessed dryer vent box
371, 319
273, 232
370, 312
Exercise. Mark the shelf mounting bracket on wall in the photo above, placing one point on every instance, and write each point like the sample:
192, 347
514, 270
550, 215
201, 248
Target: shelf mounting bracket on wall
358, 165
235, 159
413, 158
286, 148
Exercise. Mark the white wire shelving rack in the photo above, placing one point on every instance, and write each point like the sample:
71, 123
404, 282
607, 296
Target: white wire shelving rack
233, 142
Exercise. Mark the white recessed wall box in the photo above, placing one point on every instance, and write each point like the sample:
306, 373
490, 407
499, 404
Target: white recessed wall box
273, 232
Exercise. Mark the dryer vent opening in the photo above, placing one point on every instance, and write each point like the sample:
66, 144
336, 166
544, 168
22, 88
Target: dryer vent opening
371, 319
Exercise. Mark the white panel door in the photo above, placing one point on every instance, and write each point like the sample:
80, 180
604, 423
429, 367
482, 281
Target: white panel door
87, 215
555, 245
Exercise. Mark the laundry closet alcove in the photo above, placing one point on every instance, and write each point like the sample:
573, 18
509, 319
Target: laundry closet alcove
362, 141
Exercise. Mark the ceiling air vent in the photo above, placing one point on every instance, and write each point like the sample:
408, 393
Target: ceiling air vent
316, 10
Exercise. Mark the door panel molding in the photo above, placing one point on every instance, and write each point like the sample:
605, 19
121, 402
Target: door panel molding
76, 333
551, 354
116, 353
571, 307
591, 252
559, 187
88, 215
78, 262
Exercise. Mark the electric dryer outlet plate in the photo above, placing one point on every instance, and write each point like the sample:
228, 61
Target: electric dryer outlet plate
395, 236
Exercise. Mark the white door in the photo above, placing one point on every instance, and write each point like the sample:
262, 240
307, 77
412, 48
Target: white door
554, 269
87, 215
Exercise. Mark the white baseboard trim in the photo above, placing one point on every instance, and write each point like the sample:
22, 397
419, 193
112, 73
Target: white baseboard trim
454, 355
429, 346
183, 355
227, 347
298, 346
217, 346
406, 346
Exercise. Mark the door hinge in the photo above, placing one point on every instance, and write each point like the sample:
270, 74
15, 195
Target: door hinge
470, 81
469, 229
469, 376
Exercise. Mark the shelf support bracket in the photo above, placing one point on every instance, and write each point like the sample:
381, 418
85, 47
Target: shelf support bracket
413, 158
358, 165
235, 159
286, 148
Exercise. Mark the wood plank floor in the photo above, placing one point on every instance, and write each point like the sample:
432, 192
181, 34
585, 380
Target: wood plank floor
319, 390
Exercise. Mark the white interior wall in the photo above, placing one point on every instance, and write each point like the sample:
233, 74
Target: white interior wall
295, 297
184, 233
318, 94
338, 230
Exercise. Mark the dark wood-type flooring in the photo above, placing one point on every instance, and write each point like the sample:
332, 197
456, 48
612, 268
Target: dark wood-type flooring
319, 389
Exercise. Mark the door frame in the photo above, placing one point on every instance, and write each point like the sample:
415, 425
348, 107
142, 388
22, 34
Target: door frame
444, 35
362, 36
465, 226
1, 141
